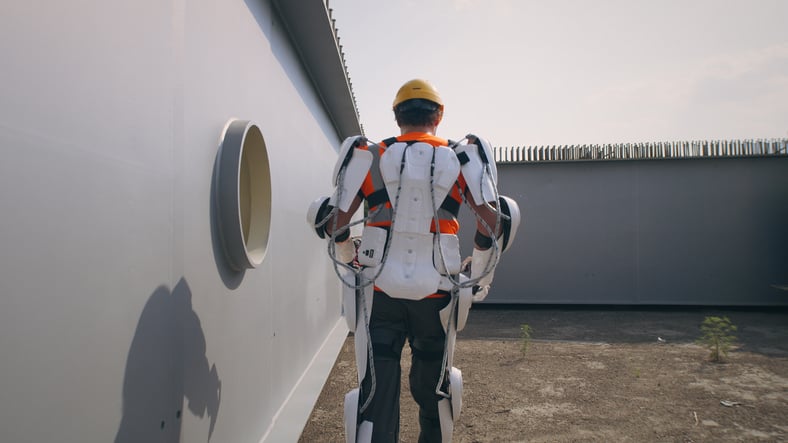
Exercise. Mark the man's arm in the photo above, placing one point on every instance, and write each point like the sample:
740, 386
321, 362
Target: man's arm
486, 216
342, 219
495, 229
331, 216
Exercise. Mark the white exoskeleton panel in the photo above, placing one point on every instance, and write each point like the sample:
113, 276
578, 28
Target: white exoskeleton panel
373, 246
479, 169
449, 408
483, 268
349, 172
453, 317
418, 177
355, 433
357, 305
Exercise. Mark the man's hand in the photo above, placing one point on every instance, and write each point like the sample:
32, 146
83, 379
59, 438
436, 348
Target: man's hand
480, 292
483, 268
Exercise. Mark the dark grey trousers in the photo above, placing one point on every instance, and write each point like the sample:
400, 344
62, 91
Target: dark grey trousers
392, 322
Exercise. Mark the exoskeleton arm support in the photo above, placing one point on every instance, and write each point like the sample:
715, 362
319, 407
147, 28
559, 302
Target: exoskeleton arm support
484, 260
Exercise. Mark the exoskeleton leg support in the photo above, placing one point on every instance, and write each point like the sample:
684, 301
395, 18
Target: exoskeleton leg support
361, 432
453, 317
357, 307
449, 408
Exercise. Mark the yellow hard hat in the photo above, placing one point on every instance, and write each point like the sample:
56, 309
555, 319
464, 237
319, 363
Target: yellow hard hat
418, 88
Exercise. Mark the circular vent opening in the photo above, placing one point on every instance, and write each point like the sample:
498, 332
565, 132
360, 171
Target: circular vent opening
243, 195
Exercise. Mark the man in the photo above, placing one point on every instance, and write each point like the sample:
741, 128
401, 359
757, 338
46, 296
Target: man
414, 185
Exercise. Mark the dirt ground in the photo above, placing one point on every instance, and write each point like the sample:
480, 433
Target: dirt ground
592, 375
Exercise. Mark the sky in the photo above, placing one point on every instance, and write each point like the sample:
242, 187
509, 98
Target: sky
563, 72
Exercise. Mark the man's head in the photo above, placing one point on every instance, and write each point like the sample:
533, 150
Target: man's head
418, 104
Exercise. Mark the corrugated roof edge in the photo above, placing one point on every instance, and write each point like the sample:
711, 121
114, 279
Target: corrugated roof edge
314, 34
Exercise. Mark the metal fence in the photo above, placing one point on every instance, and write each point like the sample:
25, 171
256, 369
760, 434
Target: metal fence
649, 150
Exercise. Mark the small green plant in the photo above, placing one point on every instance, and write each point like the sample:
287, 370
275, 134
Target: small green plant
718, 336
525, 338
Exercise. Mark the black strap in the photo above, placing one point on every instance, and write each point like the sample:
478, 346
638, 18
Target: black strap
344, 235
463, 158
378, 197
482, 241
451, 205
389, 141
506, 222
482, 155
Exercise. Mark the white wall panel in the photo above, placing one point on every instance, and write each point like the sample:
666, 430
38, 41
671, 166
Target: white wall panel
117, 309
85, 192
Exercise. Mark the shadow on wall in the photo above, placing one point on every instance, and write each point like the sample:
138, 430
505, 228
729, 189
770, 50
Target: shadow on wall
166, 363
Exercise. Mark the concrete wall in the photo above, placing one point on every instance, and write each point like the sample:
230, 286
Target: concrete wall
665, 232
119, 318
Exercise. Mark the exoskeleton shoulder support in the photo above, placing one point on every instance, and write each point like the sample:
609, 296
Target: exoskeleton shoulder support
478, 168
350, 170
